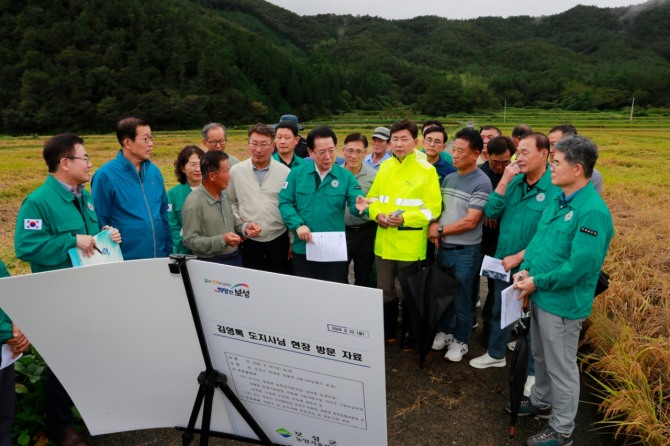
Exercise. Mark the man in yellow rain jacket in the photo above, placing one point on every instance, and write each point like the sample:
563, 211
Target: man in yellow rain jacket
405, 199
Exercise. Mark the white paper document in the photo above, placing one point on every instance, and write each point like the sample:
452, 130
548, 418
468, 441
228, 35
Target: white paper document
492, 267
511, 309
7, 359
327, 247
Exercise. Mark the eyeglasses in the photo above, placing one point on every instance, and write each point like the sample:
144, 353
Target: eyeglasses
322, 153
433, 142
85, 158
216, 142
354, 152
403, 140
147, 139
262, 145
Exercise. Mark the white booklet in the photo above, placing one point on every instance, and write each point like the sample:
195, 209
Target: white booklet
492, 267
327, 247
512, 309
107, 251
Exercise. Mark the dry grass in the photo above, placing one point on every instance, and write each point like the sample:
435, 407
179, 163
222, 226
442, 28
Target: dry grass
629, 329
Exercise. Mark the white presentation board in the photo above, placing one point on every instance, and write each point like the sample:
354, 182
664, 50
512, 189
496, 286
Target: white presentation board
119, 336
305, 357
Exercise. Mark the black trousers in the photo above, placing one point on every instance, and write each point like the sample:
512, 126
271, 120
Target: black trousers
7, 405
271, 256
58, 402
330, 271
361, 250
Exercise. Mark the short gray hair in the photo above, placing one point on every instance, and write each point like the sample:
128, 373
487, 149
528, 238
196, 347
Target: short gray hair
579, 149
210, 126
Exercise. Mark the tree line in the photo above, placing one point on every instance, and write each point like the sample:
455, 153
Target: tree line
78, 65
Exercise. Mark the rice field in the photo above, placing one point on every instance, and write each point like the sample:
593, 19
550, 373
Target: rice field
627, 340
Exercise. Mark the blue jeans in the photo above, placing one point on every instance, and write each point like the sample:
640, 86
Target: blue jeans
457, 320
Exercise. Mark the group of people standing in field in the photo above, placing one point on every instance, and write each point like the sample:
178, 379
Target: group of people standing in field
531, 200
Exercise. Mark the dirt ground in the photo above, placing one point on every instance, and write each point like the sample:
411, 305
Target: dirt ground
443, 403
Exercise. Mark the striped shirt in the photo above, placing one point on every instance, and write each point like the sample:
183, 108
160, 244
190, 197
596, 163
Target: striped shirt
460, 193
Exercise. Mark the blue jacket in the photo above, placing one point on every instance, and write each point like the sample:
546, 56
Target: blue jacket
136, 204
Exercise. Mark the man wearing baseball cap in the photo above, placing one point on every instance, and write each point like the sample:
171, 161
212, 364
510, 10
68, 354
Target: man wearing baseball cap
300, 148
380, 148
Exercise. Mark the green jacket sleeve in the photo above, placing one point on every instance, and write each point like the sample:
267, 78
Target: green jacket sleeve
353, 191
5, 321
174, 217
287, 202
495, 206
46, 245
587, 253
5, 327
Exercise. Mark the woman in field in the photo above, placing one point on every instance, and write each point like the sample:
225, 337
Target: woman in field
187, 170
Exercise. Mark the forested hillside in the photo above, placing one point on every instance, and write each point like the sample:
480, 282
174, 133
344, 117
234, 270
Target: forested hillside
79, 64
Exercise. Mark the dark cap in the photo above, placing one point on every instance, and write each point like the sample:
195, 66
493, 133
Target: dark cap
291, 118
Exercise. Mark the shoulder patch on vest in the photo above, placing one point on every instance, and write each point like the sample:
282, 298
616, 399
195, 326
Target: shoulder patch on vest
588, 231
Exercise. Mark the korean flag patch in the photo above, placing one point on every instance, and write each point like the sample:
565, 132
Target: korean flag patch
169, 207
32, 224
285, 185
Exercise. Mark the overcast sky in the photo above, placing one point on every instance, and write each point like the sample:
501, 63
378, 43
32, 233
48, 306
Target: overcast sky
462, 9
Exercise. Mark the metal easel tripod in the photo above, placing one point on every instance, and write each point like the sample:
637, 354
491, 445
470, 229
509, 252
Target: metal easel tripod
210, 379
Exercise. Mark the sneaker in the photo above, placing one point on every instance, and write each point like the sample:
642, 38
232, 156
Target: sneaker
475, 323
530, 382
442, 340
549, 437
485, 361
511, 346
407, 343
526, 408
456, 351
478, 304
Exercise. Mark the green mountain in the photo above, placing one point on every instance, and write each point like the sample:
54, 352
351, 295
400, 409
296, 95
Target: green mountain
80, 64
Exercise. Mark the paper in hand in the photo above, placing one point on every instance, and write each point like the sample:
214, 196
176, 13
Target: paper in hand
512, 309
492, 267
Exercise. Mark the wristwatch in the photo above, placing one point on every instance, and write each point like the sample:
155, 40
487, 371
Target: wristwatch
440, 229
